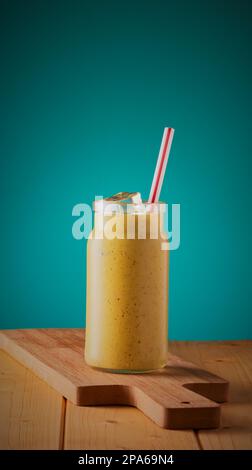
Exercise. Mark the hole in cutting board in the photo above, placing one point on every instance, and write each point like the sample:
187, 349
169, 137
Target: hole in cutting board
186, 402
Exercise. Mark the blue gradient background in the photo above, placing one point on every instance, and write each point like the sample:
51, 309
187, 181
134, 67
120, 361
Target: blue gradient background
86, 89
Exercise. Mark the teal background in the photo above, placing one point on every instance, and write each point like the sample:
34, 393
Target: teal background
86, 90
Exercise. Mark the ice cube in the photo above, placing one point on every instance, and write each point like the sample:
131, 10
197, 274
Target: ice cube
131, 198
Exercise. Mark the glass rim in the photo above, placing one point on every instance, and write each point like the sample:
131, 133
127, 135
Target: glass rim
100, 204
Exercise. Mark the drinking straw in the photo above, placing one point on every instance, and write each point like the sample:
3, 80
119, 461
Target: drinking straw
161, 164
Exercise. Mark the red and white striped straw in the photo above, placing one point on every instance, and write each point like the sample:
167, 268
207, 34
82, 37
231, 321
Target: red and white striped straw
161, 164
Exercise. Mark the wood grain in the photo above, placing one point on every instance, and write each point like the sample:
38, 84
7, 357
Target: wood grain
170, 396
30, 411
120, 428
233, 361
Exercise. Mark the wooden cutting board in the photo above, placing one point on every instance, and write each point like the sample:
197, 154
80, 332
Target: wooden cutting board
177, 397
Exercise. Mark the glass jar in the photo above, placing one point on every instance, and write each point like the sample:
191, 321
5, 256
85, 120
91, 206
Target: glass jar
127, 289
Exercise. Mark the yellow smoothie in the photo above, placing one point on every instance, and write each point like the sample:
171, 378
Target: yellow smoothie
127, 301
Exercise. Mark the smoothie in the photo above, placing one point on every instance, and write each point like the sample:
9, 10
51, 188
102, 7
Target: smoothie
127, 299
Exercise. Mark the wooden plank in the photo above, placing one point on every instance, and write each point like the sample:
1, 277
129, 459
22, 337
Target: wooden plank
168, 396
31, 413
120, 428
233, 361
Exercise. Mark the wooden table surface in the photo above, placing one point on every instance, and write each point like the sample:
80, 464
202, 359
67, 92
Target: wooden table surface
34, 416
